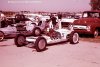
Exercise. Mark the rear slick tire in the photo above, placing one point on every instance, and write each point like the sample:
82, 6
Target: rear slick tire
20, 40
74, 38
40, 44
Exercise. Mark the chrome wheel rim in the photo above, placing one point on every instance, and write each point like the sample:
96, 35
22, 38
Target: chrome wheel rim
75, 37
96, 33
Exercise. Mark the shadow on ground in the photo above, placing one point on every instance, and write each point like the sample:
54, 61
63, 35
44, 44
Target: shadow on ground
90, 39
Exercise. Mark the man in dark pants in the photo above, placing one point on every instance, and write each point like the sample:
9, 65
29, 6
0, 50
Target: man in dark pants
59, 20
4, 23
53, 19
59, 16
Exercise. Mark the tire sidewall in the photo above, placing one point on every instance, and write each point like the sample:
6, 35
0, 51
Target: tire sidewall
37, 44
3, 36
71, 38
16, 40
97, 33
36, 28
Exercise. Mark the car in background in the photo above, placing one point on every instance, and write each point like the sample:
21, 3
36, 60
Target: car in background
66, 21
32, 16
88, 24
26, 28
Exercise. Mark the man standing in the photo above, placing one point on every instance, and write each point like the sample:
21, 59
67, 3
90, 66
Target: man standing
59, 20
53, 19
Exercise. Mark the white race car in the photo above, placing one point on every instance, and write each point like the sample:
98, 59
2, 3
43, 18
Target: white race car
53, 36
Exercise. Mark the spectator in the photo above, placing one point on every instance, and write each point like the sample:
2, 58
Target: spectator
59, 16
59, 20
53, 19
4, 23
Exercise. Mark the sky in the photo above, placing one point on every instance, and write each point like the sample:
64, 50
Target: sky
45, 5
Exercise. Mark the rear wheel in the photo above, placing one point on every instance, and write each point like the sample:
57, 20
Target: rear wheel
74, 38
20, 40
40, 44
1, 36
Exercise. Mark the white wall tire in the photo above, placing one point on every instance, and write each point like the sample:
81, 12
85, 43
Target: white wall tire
40, 44
95, 34
74, 38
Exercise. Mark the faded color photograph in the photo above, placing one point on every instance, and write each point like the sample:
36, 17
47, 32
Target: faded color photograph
50, 33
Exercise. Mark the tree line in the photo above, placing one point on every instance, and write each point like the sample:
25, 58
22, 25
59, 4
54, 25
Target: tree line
95, 4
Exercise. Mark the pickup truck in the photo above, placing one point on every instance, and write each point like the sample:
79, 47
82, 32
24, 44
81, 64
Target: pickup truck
88, 24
